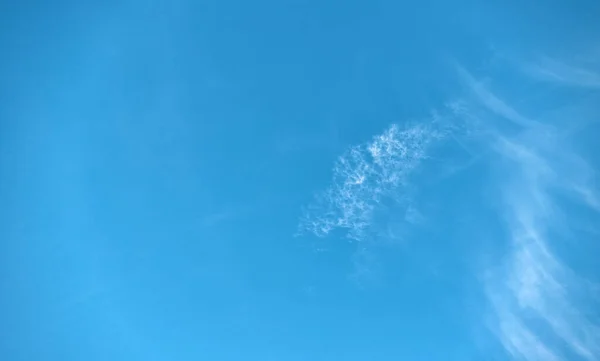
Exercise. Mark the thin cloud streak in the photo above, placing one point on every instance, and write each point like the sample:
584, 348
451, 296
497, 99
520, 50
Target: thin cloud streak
552, 70
534, 297
491, 101
536, 287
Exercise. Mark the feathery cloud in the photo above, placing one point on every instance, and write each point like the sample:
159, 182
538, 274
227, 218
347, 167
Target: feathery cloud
368, 174
535, 298
491, 101
536, 290
552, 70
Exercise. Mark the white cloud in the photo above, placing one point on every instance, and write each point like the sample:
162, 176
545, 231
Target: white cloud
491, 101
552, 70
536, 287
365, 175
520, 342
369, 199
536, 299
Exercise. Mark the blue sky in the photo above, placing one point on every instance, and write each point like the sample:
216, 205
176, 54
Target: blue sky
299, 180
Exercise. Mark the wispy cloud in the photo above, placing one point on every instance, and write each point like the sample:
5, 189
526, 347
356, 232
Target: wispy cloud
369, 200
368, 174
552, 70
534, 296
491, 101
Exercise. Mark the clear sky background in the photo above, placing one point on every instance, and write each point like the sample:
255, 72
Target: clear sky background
299, 180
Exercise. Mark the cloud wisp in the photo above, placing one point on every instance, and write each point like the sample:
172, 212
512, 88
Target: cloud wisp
552, 70
535, 297
368, 174
493, 103
537, 289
